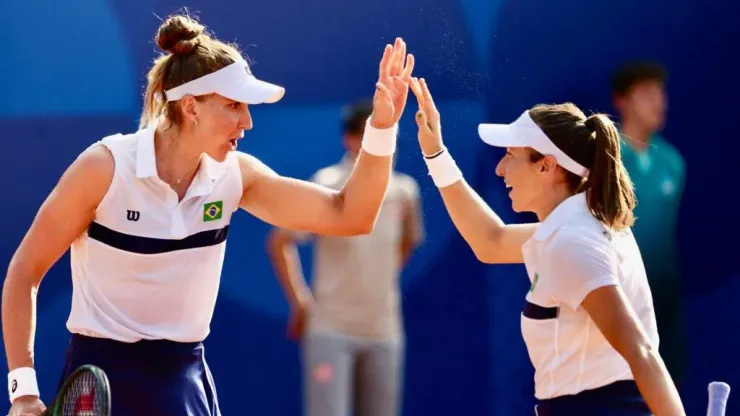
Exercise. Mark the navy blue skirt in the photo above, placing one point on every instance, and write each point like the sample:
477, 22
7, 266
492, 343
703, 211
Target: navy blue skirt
621, 398
148, 377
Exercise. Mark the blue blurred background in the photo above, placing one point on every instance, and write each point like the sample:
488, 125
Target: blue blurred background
73, 71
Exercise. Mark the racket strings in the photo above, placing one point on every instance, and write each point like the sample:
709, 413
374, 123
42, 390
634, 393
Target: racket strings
82, 398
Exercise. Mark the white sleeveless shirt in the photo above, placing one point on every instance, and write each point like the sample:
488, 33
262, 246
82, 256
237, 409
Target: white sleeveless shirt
149, 267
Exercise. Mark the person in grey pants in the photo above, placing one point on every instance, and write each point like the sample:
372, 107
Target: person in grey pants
351, 326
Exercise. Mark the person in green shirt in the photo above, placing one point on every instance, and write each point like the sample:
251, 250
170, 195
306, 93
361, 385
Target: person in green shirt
658, 172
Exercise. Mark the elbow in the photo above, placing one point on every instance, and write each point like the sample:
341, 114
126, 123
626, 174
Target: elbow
367, 225
637, 354
361, 226
355, 222
483, 254
276, 242
19, 284
487, 247
23, 274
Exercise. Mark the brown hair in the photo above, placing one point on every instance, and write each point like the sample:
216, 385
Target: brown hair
633, 73
189, 53
593, 142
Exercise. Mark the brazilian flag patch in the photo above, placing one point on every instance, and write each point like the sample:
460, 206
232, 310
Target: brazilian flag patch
212, 211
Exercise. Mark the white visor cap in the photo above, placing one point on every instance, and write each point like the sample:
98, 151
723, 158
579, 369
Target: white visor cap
234, 82
524, 132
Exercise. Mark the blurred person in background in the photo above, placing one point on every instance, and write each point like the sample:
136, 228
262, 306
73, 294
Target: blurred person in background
351, 326
658, 173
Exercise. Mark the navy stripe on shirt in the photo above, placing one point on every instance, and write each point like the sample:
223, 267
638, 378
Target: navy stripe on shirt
149, 245
540, 313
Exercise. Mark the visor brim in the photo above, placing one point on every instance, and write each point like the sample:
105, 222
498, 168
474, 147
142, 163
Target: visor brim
499, 135
255, 91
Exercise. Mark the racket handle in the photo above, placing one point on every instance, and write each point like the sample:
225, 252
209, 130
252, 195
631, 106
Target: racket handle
719, 392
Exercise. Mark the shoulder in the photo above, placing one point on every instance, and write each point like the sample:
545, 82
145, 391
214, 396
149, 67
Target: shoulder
89, 177
120, 142
579, 258
96, 161
580, 239
251, 167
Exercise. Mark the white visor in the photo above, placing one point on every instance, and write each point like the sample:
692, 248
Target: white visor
524, 132
234, 82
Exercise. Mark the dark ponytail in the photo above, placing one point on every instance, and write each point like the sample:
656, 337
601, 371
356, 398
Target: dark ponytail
593, 142
611, 196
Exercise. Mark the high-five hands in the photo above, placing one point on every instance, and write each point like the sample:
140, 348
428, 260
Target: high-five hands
427, 119
392, 88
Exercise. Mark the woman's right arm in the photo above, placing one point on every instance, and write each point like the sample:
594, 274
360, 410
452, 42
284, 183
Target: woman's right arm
64, 216
491, 240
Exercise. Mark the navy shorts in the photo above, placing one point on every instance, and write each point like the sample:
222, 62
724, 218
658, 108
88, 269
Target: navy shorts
163, 378
621, 398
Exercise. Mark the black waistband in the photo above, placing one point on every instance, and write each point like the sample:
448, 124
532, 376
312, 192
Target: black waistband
620, 395
148, 347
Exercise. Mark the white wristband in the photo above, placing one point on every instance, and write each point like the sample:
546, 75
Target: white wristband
22, 382
443, 169
379, 142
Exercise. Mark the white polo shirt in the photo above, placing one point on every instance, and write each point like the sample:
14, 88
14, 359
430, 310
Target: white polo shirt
149, 267
570, 255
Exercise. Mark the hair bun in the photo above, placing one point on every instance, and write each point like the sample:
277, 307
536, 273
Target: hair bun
179, 35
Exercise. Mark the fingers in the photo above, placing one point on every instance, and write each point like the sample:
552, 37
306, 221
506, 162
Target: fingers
430, 108
399, 53
408, 69
418, 93
401, 58
385, 61
423, 122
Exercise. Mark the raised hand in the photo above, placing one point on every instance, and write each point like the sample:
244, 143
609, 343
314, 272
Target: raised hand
427, 119
392, 88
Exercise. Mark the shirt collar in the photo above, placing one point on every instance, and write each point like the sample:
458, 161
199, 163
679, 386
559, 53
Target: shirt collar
571, 206
146, 163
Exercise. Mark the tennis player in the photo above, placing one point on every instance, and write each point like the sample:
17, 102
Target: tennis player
588, 320
351, 327
146, 215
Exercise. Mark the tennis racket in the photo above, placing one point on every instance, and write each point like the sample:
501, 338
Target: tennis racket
718, 395
86, 392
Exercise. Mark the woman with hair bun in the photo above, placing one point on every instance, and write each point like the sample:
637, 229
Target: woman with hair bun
146, 216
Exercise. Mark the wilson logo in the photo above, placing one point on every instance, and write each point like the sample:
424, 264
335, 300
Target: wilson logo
132, 215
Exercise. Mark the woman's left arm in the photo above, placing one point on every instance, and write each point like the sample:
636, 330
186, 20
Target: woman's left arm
585, 274
611, 312
304, 206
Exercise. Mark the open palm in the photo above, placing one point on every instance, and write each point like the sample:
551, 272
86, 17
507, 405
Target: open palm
392, 88
427, 118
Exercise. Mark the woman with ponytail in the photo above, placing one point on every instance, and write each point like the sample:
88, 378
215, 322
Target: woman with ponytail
588, 320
